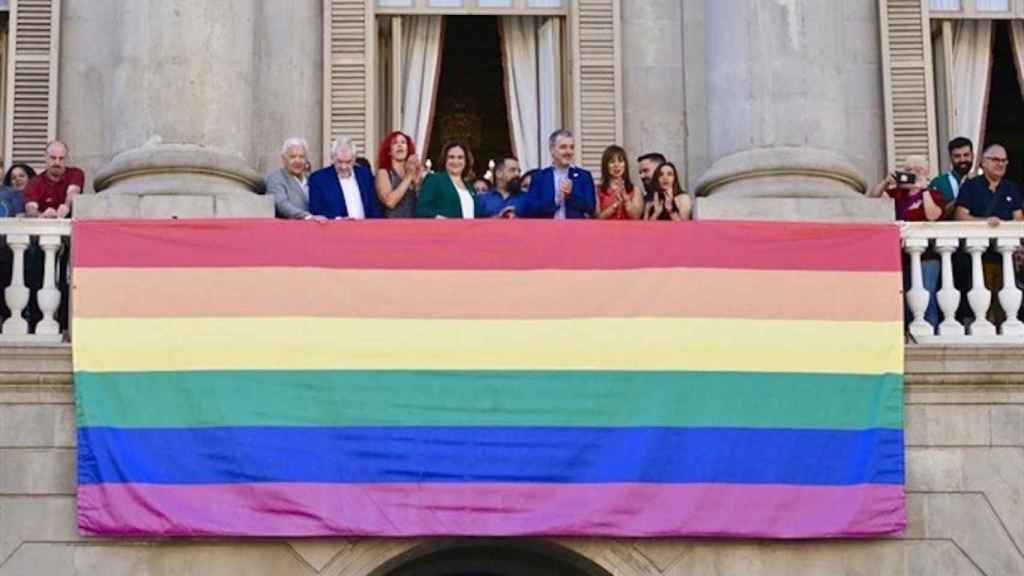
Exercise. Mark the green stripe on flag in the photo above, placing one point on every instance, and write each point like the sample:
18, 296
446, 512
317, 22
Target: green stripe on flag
498, 398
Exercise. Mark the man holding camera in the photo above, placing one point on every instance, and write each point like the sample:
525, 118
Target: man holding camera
916, 201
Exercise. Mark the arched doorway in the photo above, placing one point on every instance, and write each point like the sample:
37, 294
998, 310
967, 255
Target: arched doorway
489, 557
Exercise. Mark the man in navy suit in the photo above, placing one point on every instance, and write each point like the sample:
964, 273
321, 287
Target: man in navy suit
561, 191
343, 190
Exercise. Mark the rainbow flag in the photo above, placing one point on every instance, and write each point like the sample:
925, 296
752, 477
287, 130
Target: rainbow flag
492, 378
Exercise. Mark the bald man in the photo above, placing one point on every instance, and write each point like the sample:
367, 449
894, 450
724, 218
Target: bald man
991, 196
49, 195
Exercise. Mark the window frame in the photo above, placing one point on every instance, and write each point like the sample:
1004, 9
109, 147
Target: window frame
941, 23
472, 8
969, 11
592, 84
389, 65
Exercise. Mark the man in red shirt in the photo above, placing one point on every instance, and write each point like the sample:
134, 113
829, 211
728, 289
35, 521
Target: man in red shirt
49, 194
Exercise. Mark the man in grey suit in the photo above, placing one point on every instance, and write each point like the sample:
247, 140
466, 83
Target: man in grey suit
289, 184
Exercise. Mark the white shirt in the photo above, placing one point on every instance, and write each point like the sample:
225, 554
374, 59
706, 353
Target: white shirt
559, 176
468, 210
304, 184
353, 200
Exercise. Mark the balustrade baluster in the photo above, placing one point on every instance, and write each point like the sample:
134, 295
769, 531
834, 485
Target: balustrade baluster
1010, 295
917, 296
948, 296
979, 297
17, 294
49, 296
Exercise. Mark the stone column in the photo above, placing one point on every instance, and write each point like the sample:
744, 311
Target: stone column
653, 97
182, 104
786, 82
289, 76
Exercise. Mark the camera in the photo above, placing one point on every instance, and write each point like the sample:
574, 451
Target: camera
904, 178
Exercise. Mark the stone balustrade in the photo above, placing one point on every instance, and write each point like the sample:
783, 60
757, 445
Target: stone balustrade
950, 256
33, 243
954, 258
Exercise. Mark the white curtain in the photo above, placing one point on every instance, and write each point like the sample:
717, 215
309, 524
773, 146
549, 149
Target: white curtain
1017, 38
972, 70
531, 49
421, 69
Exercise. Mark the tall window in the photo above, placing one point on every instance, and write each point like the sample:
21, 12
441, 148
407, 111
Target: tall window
384, 66
978, 57
952, 68
485, 72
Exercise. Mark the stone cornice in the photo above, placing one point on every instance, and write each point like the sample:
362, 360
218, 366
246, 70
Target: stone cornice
35, 361
965, 364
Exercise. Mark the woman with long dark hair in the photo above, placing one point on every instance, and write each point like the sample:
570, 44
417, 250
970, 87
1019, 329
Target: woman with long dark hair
449, 194
668, 201
12, 195
399, 174
617, 198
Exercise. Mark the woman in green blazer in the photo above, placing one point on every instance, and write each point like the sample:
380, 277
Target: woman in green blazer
449, 194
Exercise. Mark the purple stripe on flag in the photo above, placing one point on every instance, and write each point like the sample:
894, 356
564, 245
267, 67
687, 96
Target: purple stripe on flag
407, 510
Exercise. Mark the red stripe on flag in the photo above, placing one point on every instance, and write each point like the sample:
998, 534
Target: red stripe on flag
486, 245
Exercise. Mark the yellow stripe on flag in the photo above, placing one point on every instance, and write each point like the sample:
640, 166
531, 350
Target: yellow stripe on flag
662, 344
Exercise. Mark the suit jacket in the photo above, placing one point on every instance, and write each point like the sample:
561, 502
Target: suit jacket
326, 199
289, 199
438, 197
540, 200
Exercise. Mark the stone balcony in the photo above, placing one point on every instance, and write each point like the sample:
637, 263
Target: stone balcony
964, 447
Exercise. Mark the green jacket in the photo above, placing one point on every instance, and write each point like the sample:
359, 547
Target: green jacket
438, 197
942, 184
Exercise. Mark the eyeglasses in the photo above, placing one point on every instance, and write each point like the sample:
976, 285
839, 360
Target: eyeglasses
997, 160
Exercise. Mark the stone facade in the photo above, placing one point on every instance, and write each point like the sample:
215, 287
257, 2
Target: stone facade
771, 107
965, 464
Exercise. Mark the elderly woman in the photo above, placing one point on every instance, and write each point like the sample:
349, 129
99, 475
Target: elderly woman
12, 195
917, 202
289, 184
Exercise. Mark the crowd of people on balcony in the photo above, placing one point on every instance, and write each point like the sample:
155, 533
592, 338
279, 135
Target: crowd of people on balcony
962, 194
405, 186
45, 195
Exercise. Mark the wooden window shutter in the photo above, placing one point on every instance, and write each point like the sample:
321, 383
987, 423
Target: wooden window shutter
31, 119
910, 122
348, 94
598, 71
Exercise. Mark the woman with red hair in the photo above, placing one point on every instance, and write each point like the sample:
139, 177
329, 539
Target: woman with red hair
399, 174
